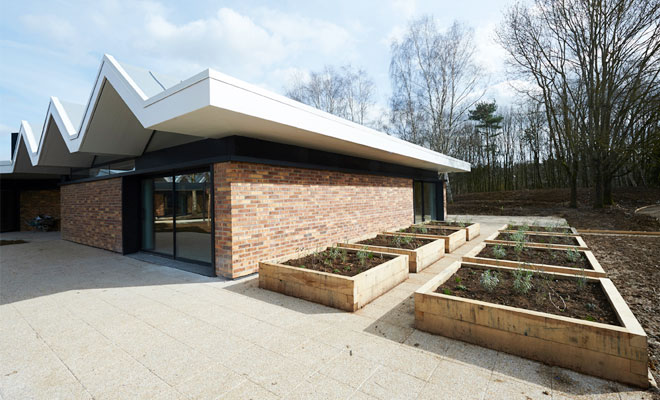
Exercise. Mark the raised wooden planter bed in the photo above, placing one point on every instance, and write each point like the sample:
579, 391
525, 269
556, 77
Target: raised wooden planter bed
569, 231
347, 293
577, 241
453, 240
418, 259
608, 351
595, 271
472, 230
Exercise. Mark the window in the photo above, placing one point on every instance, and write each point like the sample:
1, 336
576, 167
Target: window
104, 170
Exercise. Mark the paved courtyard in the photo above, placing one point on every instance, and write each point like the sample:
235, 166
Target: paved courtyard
78, 322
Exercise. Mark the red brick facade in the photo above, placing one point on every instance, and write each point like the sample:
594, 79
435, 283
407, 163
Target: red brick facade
264, 211
92, 213
35, 202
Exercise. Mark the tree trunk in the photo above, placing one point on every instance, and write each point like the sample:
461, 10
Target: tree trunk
573, 183
598, 185
607, 191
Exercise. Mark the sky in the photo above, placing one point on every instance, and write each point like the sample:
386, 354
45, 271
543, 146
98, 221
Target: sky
54, 48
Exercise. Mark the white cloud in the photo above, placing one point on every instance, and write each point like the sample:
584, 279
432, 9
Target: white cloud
489, 54
50, 26
404, 8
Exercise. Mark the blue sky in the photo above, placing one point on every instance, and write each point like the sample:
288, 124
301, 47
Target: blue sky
54, 48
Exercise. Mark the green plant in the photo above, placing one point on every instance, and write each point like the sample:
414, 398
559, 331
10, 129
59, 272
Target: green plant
446, 291
334, 253
581, 280
302, 266
336, 271
422, 229
522, 281
573, 255
457, 280
347, 268
461, 287
327, 261
343, 255
590, 318
363, 254
518, 248
489, 280
519, 236
499, 251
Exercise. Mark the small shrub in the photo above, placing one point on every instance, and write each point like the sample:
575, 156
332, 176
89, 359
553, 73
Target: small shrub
489, 280
362, 256
522, 281
573, 255
518, 248
499, 251
334, 253
581, 280
519, 236
343, 255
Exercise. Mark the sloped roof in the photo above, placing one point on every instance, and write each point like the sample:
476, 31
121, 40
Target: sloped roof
128, 103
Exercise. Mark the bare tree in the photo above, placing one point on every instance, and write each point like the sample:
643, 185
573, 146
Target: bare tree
435, 81
597, 66
346, 92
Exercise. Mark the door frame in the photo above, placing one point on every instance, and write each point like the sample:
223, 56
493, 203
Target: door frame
211, 211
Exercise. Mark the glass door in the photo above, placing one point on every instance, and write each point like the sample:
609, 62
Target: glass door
177, 216
426, 200
193, 216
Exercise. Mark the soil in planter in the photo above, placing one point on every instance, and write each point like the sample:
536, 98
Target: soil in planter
546, 239
537, 256
450, 223
350, 266
429, 231
398, 242
534, 228
588, 302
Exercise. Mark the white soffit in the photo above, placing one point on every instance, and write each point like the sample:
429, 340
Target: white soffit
128, 103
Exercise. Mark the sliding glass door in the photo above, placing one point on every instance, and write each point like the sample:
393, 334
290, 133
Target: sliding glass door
177, 217
427, 200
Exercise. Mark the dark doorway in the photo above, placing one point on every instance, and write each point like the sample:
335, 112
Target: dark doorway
427, 200
177, 216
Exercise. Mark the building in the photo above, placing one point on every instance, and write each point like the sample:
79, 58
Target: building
212, 170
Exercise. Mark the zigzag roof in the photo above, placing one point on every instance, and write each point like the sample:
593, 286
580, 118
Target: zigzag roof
128, 104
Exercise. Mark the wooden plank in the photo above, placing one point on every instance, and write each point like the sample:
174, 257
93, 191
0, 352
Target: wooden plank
612, 232
567, 356
596, 271
611, 352
538, 245
452, 241
471, 230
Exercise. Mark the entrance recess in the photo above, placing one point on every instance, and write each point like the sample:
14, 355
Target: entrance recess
427, 201
176, 216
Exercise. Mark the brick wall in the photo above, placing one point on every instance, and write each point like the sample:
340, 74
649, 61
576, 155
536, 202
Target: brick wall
35, 202
263, 211
91, 213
